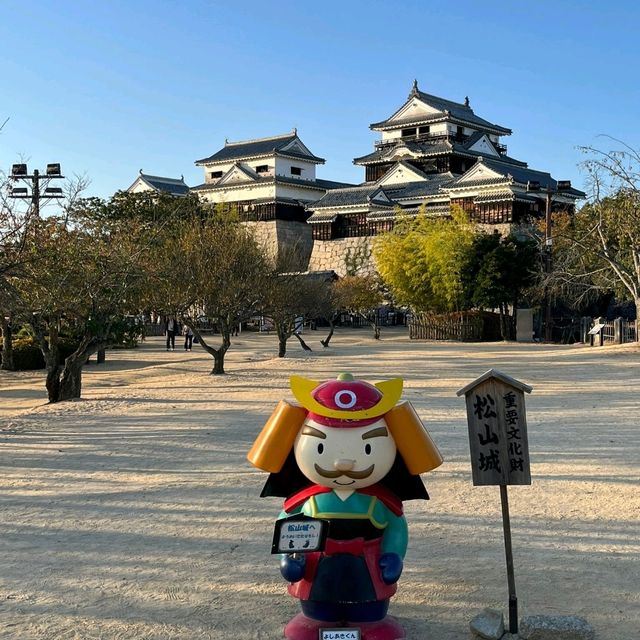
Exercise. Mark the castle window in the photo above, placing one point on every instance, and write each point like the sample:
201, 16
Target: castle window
216, 174
296, 171
263, 168
407, 133
424, 130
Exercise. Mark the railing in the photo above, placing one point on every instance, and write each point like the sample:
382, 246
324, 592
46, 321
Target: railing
470, 326
433, 137
602, 331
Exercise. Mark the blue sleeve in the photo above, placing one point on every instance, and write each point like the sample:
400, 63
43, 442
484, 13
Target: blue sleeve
396, 535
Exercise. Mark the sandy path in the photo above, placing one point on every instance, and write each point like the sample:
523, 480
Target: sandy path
133, 514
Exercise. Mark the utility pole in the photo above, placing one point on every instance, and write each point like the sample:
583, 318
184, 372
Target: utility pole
549, 190
38, 185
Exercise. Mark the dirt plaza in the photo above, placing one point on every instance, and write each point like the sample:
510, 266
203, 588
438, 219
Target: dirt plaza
133, 513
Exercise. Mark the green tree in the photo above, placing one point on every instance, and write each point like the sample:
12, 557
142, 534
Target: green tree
421, 260
496, 273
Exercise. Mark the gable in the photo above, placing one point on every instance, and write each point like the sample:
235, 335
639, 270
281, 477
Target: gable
296, 146
237, 173
139, 186
400, 151
401, 173
414, 109
483, 145
479, 171
380, 197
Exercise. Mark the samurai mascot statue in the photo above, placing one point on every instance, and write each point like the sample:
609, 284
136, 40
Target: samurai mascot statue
348, 454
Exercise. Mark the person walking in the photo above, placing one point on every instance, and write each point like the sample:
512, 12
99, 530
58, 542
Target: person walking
171, 330
188, 338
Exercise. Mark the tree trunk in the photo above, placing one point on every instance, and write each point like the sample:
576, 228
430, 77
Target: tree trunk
71, 380
282, 343
217, 354
8, 363
304, 345
503, 327
325, 342
49, 346
374, 326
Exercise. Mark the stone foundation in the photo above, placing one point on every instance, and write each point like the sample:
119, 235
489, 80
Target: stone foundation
276, 235
344, 255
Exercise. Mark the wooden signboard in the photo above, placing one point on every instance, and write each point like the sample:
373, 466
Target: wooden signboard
499, 449
497, 425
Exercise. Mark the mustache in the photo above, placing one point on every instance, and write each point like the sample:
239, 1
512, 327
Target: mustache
354, 475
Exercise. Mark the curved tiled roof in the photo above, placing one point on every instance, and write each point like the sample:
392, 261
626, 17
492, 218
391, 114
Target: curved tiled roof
445, 108
166, 185
305, 184
258, 147
350, 197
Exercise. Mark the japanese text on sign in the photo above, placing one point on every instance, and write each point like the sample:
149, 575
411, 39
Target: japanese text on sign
497, 433
340, 634
299, 534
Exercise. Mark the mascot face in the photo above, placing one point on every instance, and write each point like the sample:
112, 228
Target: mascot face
344, 458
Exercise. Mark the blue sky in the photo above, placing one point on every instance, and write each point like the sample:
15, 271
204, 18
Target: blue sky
109, 88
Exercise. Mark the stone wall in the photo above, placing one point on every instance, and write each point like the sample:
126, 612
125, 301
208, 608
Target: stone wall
275, 235
342, 255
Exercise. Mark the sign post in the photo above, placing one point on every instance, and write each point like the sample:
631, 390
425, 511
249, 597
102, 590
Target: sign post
499, 448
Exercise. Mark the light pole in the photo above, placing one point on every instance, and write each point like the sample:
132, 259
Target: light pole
549, 190
39, 184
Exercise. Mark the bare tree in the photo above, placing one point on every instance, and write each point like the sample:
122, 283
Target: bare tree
598, 248
208, 268
361, 296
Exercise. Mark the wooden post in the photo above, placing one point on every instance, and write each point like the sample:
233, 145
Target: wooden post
511, 580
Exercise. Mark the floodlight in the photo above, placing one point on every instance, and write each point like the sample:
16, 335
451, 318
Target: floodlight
19, 170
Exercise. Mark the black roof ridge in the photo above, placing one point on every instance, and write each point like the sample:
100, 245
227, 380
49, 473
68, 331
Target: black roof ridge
176, 180
293, 133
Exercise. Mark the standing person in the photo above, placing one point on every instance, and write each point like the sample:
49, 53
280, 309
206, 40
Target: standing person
188, 338
171, 330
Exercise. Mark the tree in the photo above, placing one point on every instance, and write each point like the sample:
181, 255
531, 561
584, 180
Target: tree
496, 273
209, 266
290, 295
82, 278
598, 248
360, 295
422, 258
17, 233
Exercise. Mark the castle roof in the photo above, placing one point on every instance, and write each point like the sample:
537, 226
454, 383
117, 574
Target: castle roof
316, 184
288, 144
173, 186
368, 194
438, 109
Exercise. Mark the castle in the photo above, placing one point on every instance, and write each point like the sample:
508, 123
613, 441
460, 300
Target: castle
433, 153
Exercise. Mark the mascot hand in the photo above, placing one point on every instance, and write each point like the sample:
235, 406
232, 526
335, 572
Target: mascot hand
391, 566
292, 567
